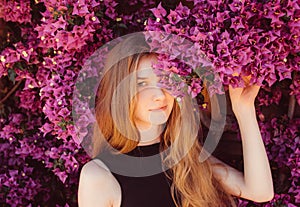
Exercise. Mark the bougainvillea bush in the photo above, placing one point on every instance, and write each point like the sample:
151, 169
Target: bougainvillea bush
44, 44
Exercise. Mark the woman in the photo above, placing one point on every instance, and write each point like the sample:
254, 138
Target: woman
140, 119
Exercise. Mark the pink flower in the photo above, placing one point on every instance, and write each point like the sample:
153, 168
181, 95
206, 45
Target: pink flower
159, 11
195, 88
174, 17
16, 11
10, 56
60, 23
80, 8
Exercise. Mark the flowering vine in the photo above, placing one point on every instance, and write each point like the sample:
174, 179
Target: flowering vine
44, 44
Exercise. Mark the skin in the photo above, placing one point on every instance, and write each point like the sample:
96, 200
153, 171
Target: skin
255, 183
154, 104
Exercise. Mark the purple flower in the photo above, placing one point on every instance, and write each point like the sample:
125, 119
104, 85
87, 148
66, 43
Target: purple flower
183, 11
9, 56
222, 49
60, 23
46, 128
237, 23
16, 11
159, 11
283, 72
236, 5
29, 101
80, 8
173, 17
64, 112
195, 88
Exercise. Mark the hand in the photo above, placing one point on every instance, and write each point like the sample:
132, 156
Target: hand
243, 98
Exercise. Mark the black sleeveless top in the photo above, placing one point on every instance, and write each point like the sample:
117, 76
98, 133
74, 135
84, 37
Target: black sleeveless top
149, 191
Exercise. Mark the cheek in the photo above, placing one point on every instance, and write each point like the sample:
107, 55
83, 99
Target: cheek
141, 103
143, 98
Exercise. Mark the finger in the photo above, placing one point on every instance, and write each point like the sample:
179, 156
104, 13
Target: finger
255, 89
235, 91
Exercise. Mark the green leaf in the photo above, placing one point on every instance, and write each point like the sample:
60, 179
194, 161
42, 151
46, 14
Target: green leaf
70, 21
18, 65
12, 75
59, 163
176, 77
62, 124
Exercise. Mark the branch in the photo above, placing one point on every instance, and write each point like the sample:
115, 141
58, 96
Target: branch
292, 104
10, 92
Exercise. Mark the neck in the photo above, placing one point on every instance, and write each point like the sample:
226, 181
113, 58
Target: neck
150, 135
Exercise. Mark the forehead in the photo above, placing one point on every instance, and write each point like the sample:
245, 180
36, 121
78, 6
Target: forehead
145, 65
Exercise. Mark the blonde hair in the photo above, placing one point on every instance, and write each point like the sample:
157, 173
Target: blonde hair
193, 183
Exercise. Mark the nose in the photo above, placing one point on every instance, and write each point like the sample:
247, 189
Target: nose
158, 94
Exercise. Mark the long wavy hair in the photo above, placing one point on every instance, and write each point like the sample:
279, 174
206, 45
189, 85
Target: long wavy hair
193, 182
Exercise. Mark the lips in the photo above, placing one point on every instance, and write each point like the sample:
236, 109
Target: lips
162, 108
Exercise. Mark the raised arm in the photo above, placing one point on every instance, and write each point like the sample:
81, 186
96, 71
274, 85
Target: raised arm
256, 182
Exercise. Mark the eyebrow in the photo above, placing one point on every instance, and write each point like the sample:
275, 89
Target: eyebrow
142, 78
144, 73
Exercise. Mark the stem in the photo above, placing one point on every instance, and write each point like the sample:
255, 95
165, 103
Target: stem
292, 101
292, 104
10, 92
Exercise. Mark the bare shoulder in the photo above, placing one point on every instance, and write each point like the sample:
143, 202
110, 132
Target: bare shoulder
97, 186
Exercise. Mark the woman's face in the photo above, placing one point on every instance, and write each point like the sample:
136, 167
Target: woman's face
154, 104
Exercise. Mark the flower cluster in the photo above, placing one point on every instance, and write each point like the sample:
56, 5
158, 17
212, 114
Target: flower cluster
246, 42
44, 45
240, 38
269, 96
16, 11
16, 174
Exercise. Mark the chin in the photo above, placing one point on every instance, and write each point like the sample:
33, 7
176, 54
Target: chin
158, 120
158, 123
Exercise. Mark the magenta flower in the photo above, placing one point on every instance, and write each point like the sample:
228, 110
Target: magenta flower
159, 11
80, 8
173, 17
194, 89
